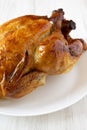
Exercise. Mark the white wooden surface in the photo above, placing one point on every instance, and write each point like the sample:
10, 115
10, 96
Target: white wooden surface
72, 118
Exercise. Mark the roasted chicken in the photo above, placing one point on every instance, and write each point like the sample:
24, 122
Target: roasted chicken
32, 47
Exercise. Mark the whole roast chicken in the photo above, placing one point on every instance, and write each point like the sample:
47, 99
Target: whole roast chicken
32, 47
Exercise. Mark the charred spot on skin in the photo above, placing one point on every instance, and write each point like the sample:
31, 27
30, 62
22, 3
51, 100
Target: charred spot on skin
71, 52
76, 49
67, 26
72, 25
59, 11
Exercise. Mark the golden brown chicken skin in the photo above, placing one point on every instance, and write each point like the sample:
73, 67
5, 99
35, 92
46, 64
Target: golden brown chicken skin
32, 47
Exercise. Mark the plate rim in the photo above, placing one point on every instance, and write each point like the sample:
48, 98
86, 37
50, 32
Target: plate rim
70, 103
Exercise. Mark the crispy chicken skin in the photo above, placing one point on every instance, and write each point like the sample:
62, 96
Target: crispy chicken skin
32, 47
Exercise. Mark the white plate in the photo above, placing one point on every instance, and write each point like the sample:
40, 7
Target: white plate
59, 92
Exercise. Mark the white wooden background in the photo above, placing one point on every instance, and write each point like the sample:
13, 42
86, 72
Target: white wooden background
72, 118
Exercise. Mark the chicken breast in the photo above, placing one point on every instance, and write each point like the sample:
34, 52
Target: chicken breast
32, 47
